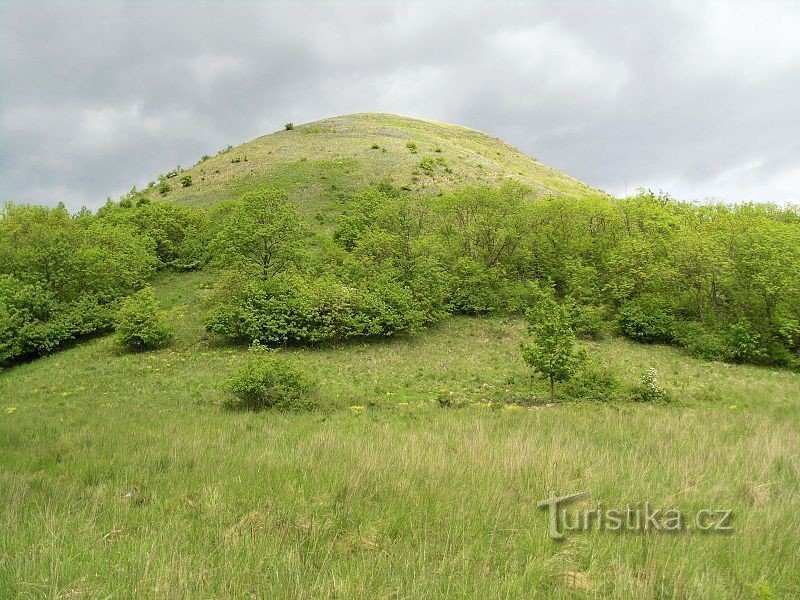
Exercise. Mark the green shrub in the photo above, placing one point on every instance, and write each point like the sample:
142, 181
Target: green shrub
140, 324
427, 164
186, 181
699, 341
291, 309
588, 321
164, 188
289, 126
592, 382
412, 147
743, 344
270, 380
646, 320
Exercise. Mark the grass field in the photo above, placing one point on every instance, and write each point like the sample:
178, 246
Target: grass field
123, 477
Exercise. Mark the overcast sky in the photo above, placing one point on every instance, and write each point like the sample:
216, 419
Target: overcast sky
699, 99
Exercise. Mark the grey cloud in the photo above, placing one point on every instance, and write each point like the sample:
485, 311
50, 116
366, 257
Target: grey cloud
698, 99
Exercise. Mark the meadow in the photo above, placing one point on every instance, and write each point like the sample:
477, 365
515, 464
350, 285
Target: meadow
123, 477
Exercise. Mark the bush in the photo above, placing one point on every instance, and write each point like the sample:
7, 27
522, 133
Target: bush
164, 188
298, 310
588, 321
186, 181
700, 342
289, 126
427, 164
648, 389
140, 324
646, 320
593, 383
412, 147
743, 344
270, 380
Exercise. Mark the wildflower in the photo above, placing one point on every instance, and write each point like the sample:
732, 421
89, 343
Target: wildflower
10, 409
356, 409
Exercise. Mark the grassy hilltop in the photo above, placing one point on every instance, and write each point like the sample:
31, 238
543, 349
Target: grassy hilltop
320, 162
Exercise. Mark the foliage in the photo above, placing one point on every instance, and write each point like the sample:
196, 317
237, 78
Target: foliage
140, 325
648, 389
646, 320
61, 276
271, 381
592, 382
743, 343
427, 164
181, 234
552, 350
260, 233
186, 181
288, 126
293, 309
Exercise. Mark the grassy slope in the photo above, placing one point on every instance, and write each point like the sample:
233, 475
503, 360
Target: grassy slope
120, 474
319, 162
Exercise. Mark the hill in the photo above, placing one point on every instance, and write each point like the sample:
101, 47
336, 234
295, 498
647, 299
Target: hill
320, 162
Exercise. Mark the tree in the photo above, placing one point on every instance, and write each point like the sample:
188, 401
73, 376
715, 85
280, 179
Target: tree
261, 232
552, 350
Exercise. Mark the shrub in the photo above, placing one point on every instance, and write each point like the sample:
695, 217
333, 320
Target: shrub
186, 181
645, 320
594, 383
743, 344
269, 380
700, 342
412, 147
164, 188
588, 321
140, 324
298, 310
375, 147
648, 389
289, 126
427, 164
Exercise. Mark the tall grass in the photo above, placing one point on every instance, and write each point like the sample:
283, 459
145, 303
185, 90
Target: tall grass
121, 476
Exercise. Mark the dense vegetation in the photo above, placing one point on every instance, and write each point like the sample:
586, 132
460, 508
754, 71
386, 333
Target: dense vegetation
721, 281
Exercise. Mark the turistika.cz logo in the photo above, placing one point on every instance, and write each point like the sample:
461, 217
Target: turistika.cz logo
638, 518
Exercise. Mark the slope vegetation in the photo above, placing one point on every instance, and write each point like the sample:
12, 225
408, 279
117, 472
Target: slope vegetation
323, 161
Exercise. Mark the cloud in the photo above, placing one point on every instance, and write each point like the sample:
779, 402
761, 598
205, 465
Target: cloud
695, 98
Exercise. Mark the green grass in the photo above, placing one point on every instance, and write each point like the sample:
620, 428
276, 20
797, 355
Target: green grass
319, 163
122, 476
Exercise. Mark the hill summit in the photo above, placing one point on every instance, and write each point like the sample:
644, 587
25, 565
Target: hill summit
321, 161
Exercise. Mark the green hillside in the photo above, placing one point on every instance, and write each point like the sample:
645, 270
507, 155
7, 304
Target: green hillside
322, 161
323, 388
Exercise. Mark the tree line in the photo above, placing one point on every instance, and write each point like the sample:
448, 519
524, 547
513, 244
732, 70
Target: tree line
721, 281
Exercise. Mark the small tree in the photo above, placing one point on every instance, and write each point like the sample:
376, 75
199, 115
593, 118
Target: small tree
552, 350
140, 324
262, 233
